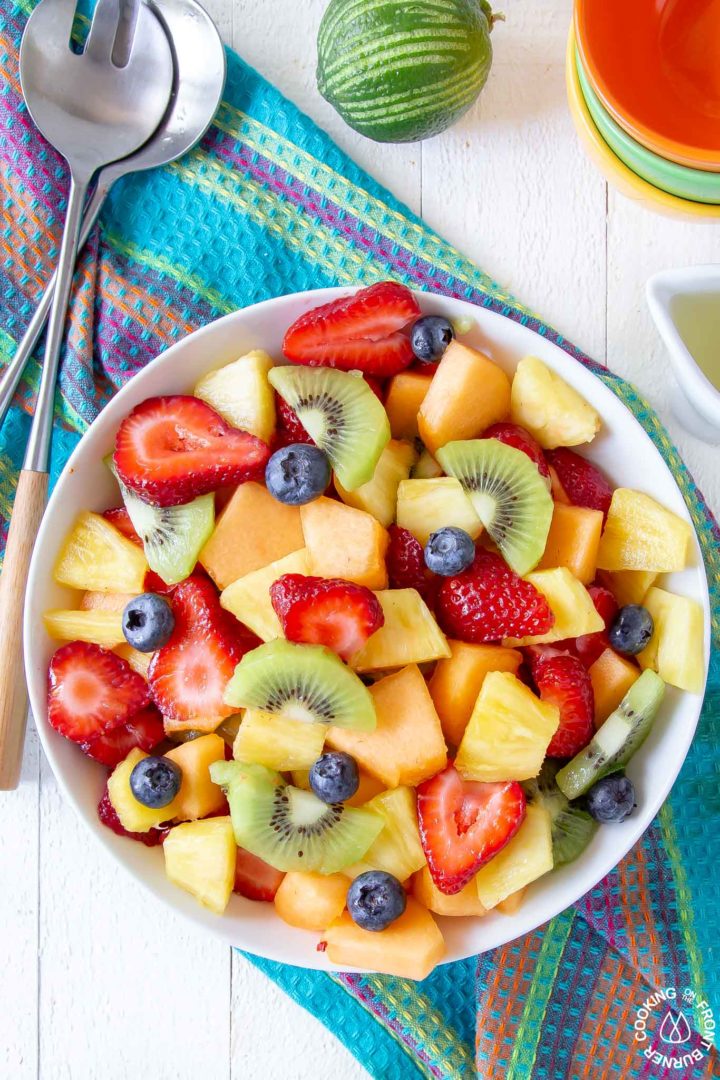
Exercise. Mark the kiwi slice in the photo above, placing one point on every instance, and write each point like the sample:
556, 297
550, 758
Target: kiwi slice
342, 416
572, 828
508, 494
615, 742
308, 683
290, 828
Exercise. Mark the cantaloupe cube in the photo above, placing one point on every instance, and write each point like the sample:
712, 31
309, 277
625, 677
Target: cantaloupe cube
200, 858
468, 393
611, 676
457, 681
253, 531
397, 849
573, 541
640, 534
406, 393
97, 626
551, 410
278, 742
249, 598
138, 661
426, 505
343, 542
379, 496
311, 901
97, 557
628, 586
132, 814
571, 604
676, 649
407, 746
198, 797
465, 902
512, 903
105, 601
526, 858
410, 634
409, 948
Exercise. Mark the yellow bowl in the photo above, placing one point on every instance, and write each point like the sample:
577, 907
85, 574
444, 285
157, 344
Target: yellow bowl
614, 171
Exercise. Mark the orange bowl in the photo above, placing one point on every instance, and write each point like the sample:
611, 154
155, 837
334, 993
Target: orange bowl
655, 65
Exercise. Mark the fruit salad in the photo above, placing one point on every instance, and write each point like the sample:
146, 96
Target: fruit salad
367, 635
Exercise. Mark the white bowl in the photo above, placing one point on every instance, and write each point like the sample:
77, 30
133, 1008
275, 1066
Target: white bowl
623, 450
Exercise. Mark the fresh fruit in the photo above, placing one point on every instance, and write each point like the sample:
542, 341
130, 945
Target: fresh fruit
559, 495
512, 903
96, 556
108, 817
617, 739
611, 799
409, 635
326, 611
407, 744
375, 899
148, 622
582, 482
526, 858
397, 849
575, 614
551, 410
155, 781
292, 829
368, 787
573, 541
611, 677
105, 601
406, 561
144, 730
119, 517
133, 815
571, 827
379, 495
343, 542
457, 681
468, 393
138, 661
463, 825
253, 531
405, 395
564, 681
278, 742
311, 901
297, 474
514, 435
409, 948
359, 332
248, 598
171, 449
200, 858
92, 691
640, 534
463, 903
430, 336
241, 394
334, 777
677, 648
488, 602
588, 647
289, 429
508, 494
509, 732
632, 629
424, 506
198, 797
426, 468
305, 683
254, 878
628, 586
449, 551
96, 626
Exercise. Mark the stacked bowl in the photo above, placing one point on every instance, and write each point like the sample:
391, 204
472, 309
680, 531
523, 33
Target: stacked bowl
643, 82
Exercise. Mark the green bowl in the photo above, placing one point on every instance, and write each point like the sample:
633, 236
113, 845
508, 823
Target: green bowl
676, 179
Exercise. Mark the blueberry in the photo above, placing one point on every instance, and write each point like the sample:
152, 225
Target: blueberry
334, 777
632, 629
148, 622
611, 799
449, 551
297, 474
375, 899
155, 781
430, 337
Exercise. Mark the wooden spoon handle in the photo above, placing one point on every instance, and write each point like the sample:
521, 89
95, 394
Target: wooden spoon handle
30, 500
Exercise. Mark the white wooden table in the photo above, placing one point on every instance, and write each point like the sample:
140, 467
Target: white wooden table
96, 978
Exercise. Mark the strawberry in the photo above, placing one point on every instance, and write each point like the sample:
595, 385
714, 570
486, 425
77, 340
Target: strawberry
254, 878
356, 333
405, 561
144, 730
488, 602
119, 517
326, 611
464, 823
171, 449
107, 815
92, 691
289, 429
582, 482
188, 676
588, 647
563, 681
377, 388
514, 435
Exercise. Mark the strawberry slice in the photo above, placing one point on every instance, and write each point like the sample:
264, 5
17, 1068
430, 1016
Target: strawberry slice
171, 449
563, 680
357, 333
92, 691
464, 823
254, 878
514, 435
326, 611
289, 429
488, 602
188, 676
588, 647
582, 482
119, 517
107, 815
144, 730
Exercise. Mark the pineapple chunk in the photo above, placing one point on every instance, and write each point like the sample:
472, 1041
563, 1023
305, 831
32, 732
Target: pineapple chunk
200, 858
456, 682
311, 901
138, 661
409, 635
408, 948
465, 902
132, 814
198, 796
549, 408
379, 496
468, 393
676, 649
97, 626
343, 542
241, 393
571, 604
97, 557
527, 857
277, 742
426, 467
628, 586
105, 601
406, 393
640, 534
508, 733
249, 598
397, 849
426, 505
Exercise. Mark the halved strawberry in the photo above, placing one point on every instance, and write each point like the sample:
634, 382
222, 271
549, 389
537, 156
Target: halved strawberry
254, 878
144, 730
171, 449
588, 647
563, 680
582, 482
356, 333
464, 823
514, 435
119, 517
106, 813
92, 691
289, 429
326, 611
